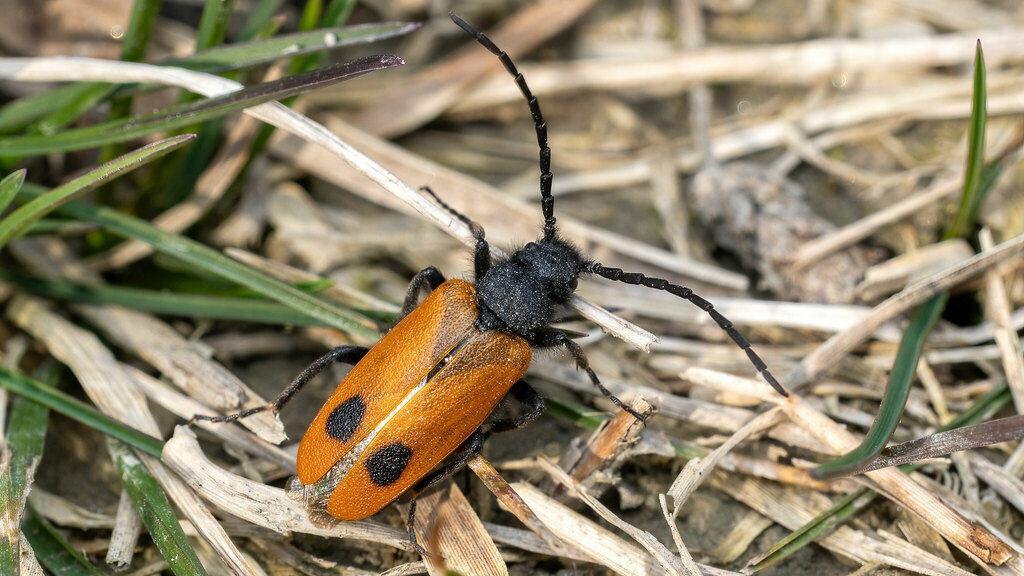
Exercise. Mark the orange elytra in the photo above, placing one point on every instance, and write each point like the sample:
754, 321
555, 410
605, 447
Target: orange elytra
418, 405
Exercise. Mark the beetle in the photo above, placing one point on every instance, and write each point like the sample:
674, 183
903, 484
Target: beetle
418, 405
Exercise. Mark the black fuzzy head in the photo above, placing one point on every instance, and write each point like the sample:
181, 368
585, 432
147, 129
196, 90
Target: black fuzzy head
520, 293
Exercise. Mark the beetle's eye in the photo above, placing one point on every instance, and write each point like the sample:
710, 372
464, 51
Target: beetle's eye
574, 284
530, 245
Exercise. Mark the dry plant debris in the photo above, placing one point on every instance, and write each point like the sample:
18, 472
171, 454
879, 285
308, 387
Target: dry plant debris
793, 162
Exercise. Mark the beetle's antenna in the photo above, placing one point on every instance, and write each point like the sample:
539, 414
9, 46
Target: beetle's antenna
683, 292
547, 201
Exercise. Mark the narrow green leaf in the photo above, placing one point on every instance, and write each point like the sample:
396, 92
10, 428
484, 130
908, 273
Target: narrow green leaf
912, 343
52, 550
13, 225
973, 194
23, 111
156, 512
9, 187
193, 112
259, 16
338, 12
85, 98
164, 302
210, 260
214, 23
77, 410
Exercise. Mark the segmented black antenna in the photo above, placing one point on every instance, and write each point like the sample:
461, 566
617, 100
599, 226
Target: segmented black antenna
547, 201
683, 292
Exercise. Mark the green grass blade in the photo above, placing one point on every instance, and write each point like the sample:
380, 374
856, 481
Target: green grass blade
52, 550
896, 393
23, 111
77, 410
164, 302
260, 15
973, 193
912, 343
247, 54
156, 512
193, 112
214, 23
338, 12
13, 225
10, 186
86, 97
26, 435
205, 258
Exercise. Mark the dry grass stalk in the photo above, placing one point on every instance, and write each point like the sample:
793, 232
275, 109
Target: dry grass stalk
593, 542
698, 469
998, 310
794, 63
185, 364
999, 479
185, 407
406, 569
656, 549
604, 447
124, 534
721, 418
62, 512
841, 344
258, 503
514, 503
456, 540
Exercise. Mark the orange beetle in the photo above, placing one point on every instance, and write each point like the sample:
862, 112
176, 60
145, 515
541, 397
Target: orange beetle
418, 405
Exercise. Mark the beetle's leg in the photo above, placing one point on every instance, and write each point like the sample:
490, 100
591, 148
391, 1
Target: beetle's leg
345, 354
553, 338
467, 450
431, 276
529, 398
482, 252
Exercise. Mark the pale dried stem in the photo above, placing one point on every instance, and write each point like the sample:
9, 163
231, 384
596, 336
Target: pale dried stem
796, 63
258, 503
997, 308
698, 469
656, 549
841, 344
124, 534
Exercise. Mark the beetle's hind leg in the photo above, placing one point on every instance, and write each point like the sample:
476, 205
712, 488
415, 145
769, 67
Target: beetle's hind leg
466, 451
344, 354
529, 398
430, 276
554, 338
482, 252
472, 446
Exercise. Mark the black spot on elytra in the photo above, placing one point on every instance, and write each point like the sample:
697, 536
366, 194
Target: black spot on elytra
345, 418
387, 464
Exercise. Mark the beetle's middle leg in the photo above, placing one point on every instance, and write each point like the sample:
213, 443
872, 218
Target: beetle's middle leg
344, 354
555, 338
